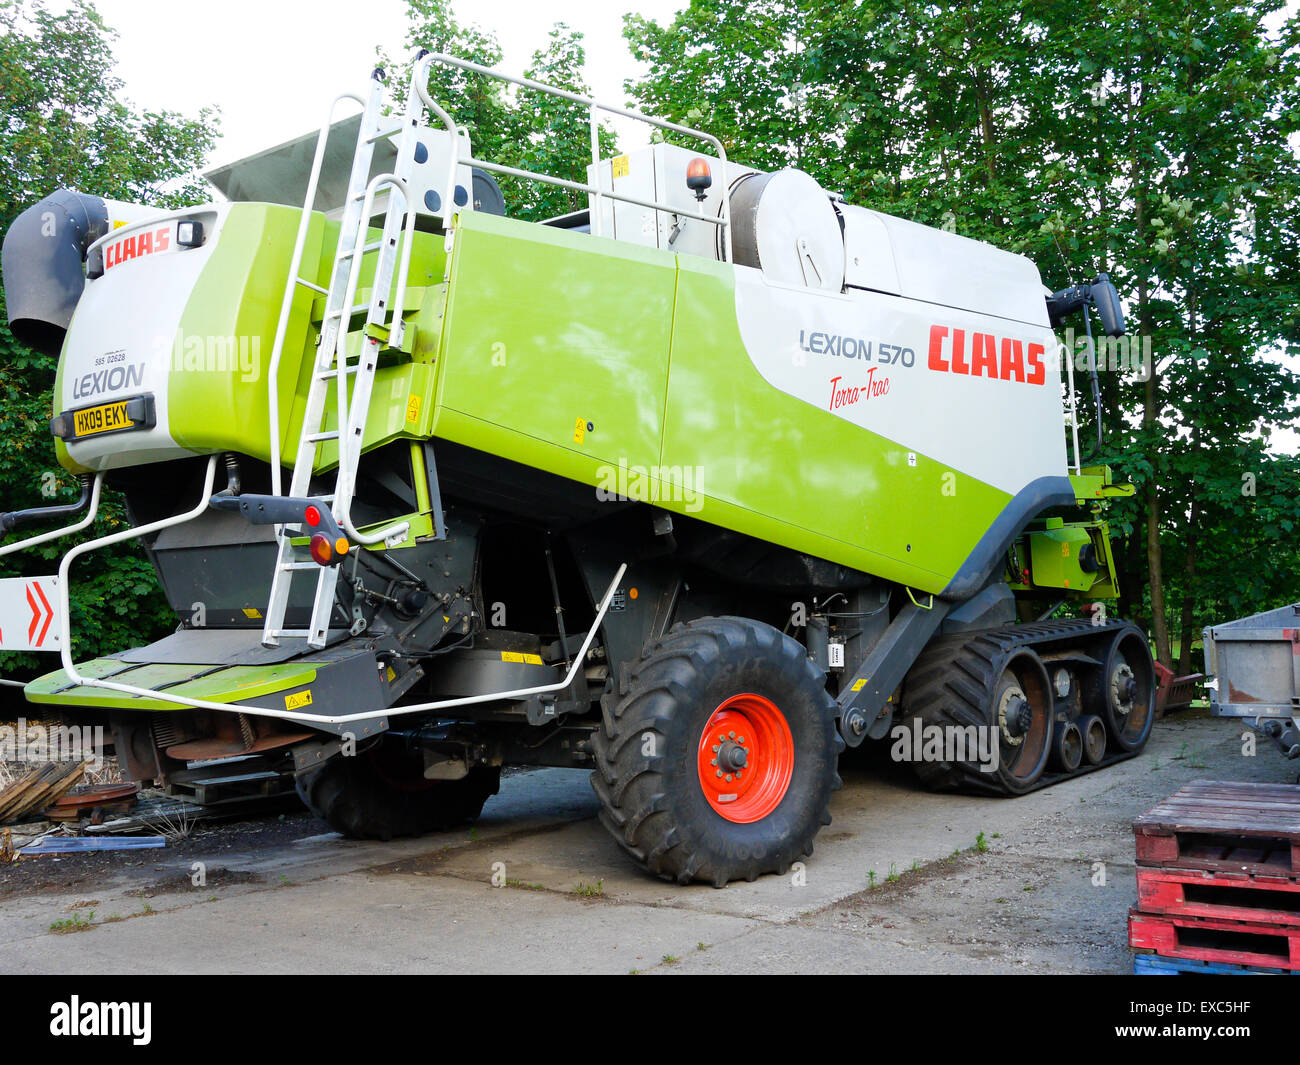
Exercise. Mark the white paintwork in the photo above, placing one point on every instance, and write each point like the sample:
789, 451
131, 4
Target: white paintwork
795, 229
950, 270
658, 174
130, 318
1003, 432
430, 175
28, 614
868, 251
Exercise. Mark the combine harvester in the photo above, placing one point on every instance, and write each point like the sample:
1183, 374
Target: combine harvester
688, 489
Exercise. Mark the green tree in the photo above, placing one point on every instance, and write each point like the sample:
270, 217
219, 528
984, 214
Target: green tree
1150, 140
64, 124
524, 129
557, 132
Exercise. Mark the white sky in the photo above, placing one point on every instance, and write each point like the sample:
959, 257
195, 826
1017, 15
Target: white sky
273, 66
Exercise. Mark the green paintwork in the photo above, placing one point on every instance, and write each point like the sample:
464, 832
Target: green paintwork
547, 330
1054, 556
239, 294
236, 684
535, 333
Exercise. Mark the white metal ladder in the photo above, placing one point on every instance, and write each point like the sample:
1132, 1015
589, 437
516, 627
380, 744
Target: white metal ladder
354, 380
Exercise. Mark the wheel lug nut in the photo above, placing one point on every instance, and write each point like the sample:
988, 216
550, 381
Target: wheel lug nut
728, 777
719, 772
713, 761
715, 748
732, 735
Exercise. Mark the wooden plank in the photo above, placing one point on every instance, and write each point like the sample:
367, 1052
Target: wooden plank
60, 778
11, 796
1233, 896
1215, 940
1224, 825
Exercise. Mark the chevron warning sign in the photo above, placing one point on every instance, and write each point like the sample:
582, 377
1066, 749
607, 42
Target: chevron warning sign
27, 614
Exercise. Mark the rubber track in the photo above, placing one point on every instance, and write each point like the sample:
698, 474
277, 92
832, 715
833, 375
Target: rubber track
951, 681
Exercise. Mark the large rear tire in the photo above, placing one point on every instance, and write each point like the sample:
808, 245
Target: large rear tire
719, 762
381, 794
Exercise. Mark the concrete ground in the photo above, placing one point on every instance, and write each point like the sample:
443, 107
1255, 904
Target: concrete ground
899, 883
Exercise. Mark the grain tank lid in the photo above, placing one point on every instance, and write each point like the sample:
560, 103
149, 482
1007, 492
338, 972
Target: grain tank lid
954, 271
280, 174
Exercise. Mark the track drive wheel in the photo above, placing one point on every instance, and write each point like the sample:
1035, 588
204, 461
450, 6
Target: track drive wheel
989, 682
381, 793
1128, 690
719, 762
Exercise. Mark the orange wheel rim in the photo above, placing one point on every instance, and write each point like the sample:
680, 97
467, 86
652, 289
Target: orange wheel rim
746, 758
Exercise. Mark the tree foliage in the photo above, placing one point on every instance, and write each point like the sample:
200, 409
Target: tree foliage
521, 128
1151, 140
65, 124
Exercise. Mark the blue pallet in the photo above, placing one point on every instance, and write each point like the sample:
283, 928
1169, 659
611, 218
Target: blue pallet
1158, 965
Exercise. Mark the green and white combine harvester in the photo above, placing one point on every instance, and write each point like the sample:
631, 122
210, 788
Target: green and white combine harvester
689, 489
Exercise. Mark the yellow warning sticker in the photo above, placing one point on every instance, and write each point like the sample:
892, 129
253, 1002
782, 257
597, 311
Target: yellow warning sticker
579, 430
858, 685
252, 613
520, 656
392, 674
297, 700
413, 409
621, 166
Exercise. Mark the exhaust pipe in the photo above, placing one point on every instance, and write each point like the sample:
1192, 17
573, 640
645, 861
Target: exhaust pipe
42, 263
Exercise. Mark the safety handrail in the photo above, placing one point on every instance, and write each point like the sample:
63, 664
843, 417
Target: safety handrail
294, 279
419, 82
391, 181
77, 679
67, 530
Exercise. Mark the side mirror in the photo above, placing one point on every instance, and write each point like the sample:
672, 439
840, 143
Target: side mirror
1106, 300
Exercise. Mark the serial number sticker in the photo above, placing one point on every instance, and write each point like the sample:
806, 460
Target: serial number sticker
105, 418
520, 656
297, 701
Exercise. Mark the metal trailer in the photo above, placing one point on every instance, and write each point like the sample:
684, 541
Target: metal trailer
1254, 665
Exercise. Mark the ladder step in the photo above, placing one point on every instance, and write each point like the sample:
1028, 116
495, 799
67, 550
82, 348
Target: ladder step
287, 566
328, 434
360, 308
325, 375
312, 285
365, 249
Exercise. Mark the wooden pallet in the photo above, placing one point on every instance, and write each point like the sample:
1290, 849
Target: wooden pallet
1215, 940
1224, 826
1231, 896
1155, 965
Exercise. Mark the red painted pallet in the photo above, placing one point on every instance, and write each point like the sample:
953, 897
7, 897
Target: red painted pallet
1224, 826
1214, 939
1232, 896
